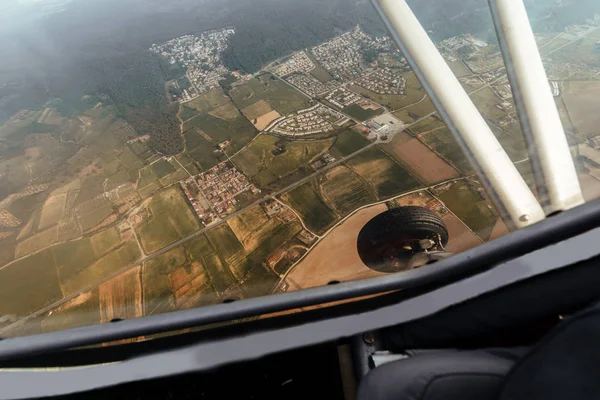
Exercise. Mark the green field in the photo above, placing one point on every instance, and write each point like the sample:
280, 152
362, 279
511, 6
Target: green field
318, 72
29, 284
239, 130
200, 150
115, 260
208, 101
147, 177
281, 96
171, 220
359, 113
72, 257
385, 175
349, 142
162, 168
258, 162
199, 249
306, 200
105, 240
186, 112
442, 142
224, 240
260, 282
266, 239
158, 296
345, 191
427, 125
470, 207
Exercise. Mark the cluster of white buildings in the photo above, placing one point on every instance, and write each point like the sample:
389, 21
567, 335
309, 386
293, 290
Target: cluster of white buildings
310, 85
317, 119
340, 56
383, 81
298, 62
200, 55
342, 97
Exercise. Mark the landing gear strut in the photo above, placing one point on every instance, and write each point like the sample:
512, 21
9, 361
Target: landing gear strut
403, 238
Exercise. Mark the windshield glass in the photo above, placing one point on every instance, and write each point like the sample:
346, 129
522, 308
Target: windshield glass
160, 156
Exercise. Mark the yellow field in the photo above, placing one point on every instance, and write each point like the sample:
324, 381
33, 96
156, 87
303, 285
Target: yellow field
121, 297
37, 242
257, 109
243, 225
264, 120
52, 211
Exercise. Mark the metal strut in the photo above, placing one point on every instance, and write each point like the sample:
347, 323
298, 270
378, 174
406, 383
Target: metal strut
500, 177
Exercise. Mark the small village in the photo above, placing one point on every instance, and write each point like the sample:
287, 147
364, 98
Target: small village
212, 193
298, 62
340, 56
310, 85
317, 119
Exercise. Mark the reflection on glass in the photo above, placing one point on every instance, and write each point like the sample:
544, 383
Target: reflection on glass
167, 157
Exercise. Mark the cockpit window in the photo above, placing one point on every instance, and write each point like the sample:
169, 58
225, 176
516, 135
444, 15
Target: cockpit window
156, 157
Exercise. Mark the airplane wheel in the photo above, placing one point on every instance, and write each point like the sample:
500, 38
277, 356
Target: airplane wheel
389, 241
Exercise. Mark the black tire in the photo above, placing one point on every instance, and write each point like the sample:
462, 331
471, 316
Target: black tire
385, 237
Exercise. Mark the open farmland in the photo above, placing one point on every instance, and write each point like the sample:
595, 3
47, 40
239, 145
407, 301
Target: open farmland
260, 244
259, 163
200, 250
581, 100
443, 143
349, 142
260, 282
53, 210
427, 125
427, 166
162, 168
280, 96
245, 224
200, 150
387, 177
83, 310
171, 220
239, 130
119, 258
470, 207
37, 242
29, 284
208, 101
157, 293
121, 296
257, 109
345, 191
307, 201
224, 240
459, 68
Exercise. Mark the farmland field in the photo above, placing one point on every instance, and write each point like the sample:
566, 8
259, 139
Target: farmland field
240, 131
345, 191
105, 240
427, 125
306, 200
125, 255
443, 143
258, 157
225, 241
387, 177
257, 109
171, 220
162, 168
208, 101
260, 282
419, 160
227, 111
580, 99
83, 310
280, 96
470, 207
29, 284
36, 242
158, 296
350, 141
361, 114
52, 211
459, 68
220, 275
121, 296
486, 101
245, 224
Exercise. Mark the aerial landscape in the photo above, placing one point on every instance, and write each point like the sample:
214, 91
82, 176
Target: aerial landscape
203, 160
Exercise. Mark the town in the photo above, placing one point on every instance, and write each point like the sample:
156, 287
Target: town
383, 81
200, 56
212, 193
